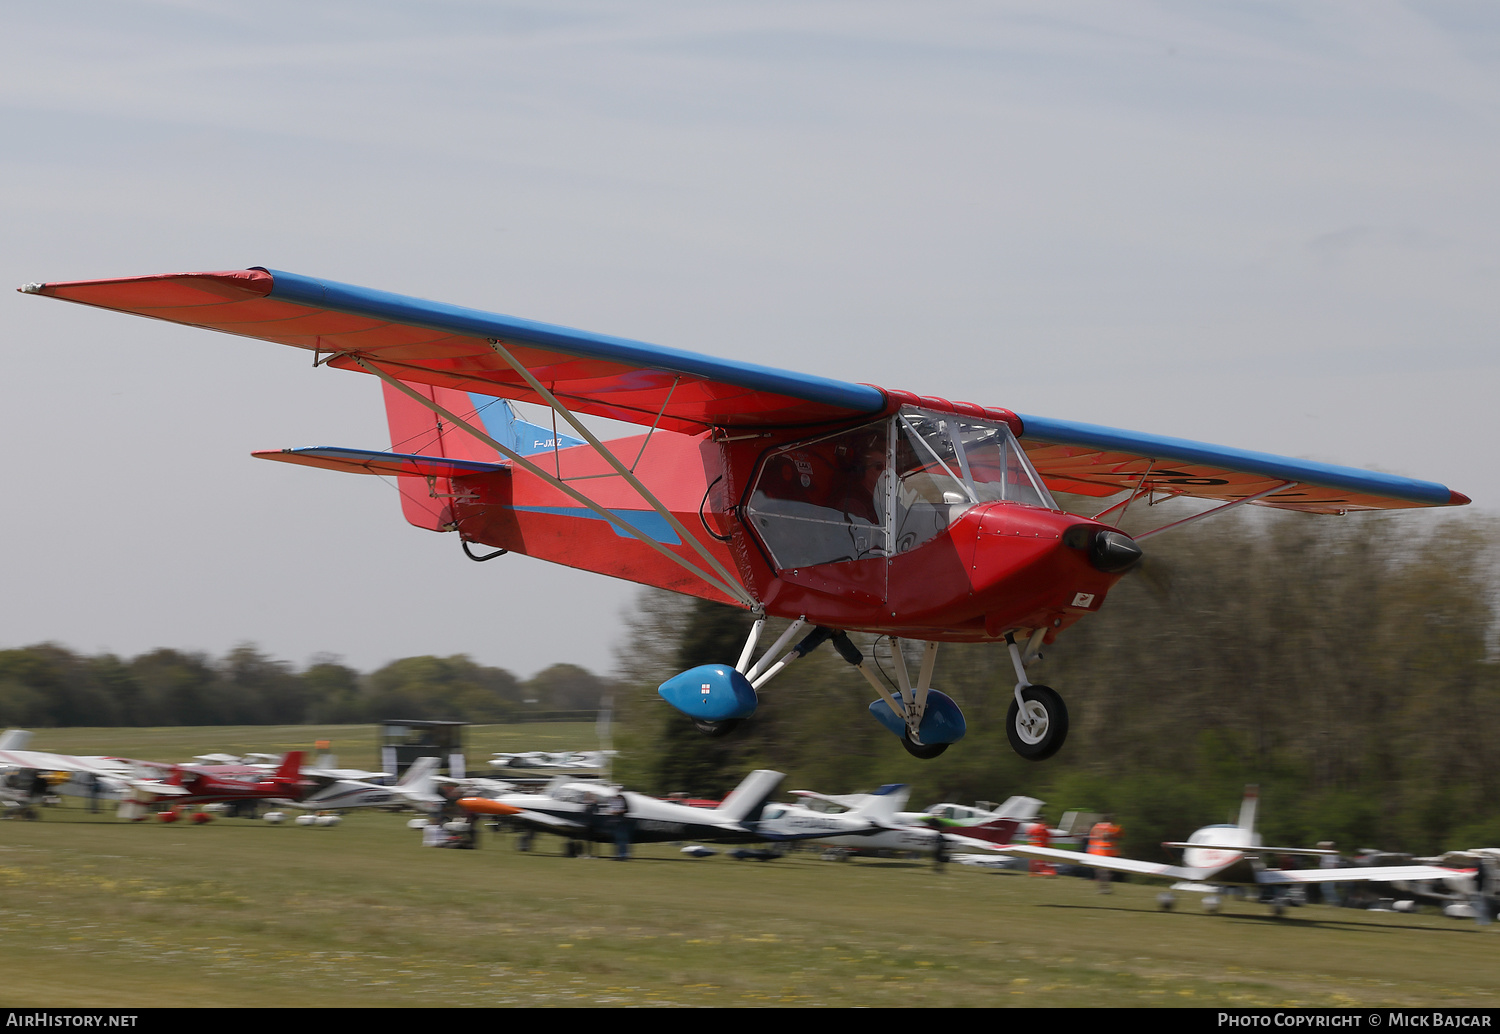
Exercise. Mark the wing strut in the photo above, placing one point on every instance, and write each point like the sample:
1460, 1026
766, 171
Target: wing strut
1216, 510
729, 587
625, 472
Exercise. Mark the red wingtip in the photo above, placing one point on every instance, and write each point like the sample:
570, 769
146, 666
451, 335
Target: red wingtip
1458, 498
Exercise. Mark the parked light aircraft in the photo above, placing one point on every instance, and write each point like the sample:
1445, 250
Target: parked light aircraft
1232, 855
1472, 892
578, 811
875, 822
110, 776
217, 784
139, 783
837, 506
416, 788
1023, 809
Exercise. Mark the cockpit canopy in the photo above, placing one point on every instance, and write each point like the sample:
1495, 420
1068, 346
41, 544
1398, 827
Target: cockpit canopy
885, 488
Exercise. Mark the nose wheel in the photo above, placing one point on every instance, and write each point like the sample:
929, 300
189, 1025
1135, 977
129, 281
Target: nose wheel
1037, 724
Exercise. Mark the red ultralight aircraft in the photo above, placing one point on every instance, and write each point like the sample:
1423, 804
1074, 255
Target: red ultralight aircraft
840, 507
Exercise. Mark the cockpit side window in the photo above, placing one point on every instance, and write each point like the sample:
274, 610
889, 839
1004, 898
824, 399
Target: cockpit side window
825, 501
885, 488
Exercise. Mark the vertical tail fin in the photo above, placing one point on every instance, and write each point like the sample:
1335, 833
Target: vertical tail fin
744, 804
417, 429
291, 765
882, 805
1247, 807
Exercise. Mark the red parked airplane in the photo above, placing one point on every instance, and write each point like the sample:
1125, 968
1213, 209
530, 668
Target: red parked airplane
219, 784
840, 507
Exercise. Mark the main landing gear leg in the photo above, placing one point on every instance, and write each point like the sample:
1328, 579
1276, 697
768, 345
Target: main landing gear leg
926, 721
1037, 722
717, 697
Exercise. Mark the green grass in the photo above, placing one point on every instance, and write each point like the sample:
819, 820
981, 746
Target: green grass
102, 913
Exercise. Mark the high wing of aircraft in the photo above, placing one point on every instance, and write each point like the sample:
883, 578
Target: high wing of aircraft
577, 811
839, 507
1232, 855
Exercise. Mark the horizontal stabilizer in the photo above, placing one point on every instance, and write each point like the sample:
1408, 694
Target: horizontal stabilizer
366, 461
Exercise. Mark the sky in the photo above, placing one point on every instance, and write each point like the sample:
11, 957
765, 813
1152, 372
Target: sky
1270, 225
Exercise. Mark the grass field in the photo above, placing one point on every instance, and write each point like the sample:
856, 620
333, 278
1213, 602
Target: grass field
102, 913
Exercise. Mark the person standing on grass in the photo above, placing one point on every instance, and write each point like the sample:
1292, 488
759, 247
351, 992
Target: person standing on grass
1104, 841
618, 812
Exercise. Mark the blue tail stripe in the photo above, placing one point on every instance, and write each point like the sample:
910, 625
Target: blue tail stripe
649, 522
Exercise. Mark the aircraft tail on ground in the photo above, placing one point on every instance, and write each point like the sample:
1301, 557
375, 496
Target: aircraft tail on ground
1248, 806
881, 806
291, 765
747, 800
417, 784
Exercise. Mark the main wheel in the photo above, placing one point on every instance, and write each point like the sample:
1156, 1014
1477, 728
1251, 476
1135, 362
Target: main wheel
925, 751
1040, 732
714, 730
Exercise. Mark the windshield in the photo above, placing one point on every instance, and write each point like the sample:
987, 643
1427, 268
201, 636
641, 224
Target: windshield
965, 460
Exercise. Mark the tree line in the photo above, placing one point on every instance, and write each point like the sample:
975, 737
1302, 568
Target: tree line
49, 686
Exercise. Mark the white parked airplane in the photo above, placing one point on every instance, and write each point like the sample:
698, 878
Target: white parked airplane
580, 811
875, 822
416, 788
1233, 855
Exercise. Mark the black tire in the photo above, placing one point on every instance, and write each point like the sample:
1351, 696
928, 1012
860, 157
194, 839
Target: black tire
1051, 707
713, 730
925, 751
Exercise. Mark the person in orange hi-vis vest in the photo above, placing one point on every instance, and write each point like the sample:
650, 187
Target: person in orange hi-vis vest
1104, 840
1041, 836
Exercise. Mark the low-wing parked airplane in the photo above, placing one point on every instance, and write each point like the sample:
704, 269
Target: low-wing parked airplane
579, 811
1226, 854
875, 822
837, 506
416, 788
186, 785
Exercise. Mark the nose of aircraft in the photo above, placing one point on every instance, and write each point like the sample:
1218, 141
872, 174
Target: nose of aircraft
1113, 552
